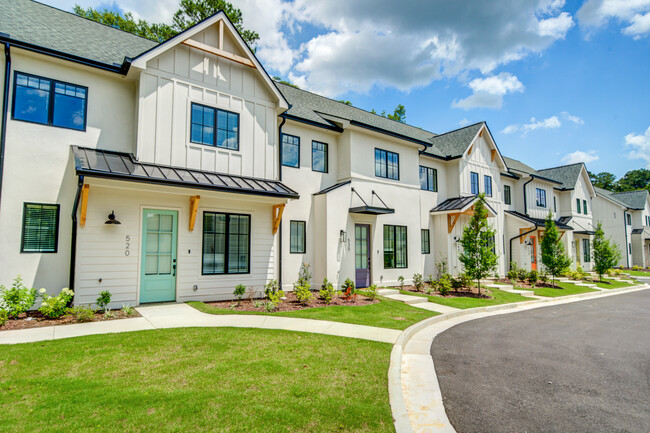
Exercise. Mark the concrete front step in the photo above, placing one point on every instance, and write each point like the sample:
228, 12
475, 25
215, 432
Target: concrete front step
386, 292
500, 286
439, 308
409, 299
523, 292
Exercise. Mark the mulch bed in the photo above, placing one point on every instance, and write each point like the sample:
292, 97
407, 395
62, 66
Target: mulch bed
35, 319
465, 292
292, 304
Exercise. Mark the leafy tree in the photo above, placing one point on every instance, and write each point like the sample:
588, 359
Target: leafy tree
554, 258
399, 114
606, 253
603, 180
478, 241
346, 102
189, 13
634, 179
288, 83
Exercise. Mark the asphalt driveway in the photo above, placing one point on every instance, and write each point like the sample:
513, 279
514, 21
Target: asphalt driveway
579, 367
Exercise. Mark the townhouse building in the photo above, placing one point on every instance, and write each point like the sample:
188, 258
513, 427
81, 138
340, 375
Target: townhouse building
175, 171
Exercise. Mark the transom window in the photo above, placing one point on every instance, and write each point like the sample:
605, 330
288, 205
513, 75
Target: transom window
40, 228
487, 180
297, 237
395, 247
541, 197
507, 198
290, 150
49, 102
473, 177
226, 243
319, 156
428, 179
425, 241
386, 164
214, 127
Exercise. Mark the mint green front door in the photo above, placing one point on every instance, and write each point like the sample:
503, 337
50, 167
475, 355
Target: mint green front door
158, 283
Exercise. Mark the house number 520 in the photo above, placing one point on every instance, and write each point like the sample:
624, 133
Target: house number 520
127, 250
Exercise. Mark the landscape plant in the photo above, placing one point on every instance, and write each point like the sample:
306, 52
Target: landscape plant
16, 299
477, 241
605, 252
239, 292
418, 282
400, 280
301, 288
271, 287
103, 300
444, 284
512, 273
532, 278
522, 274
108, 314
54, 307
128, 310
371, 291
554, 258
349, 291
82, 313
327, 292
3, 317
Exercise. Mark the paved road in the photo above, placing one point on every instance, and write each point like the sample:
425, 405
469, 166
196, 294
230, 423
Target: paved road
579, 367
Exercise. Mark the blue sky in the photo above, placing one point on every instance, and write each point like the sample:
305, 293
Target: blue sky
556, 81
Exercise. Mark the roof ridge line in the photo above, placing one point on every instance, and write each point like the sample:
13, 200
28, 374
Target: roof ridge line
458, 129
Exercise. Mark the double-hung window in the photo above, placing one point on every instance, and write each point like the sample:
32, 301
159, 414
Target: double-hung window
290, 150
507, 197
584, 207
554, 205
578, 205
425, 241
40, 228
297, 237
428, 179
386, 164
214, 127
319, 156
487, 181
395, 247
226, 243
473, 177
49, 102
629, 219
586, 250
541, 197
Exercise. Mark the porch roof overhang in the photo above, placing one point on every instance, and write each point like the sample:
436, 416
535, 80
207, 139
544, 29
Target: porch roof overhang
124, 166
372, 210
460, 205
538, 222
585, 232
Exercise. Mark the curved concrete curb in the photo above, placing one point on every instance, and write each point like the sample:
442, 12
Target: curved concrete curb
415, 396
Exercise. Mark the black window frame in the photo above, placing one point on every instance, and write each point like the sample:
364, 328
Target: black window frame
298, 223
282, 143
554, 205
326, 152
227, 243
472, 176
393, 228
385, 159
425, 241
434, 174
628, 219
586, 250
215, 134
578, 206
487, 180
56, 229
584, 207
539, 196
507, 195
50, 104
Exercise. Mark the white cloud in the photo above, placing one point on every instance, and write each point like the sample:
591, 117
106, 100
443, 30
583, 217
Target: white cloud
580, 156
552, 122
640, 145
556, 27
489, 91
633, 14
463, 122
575, 119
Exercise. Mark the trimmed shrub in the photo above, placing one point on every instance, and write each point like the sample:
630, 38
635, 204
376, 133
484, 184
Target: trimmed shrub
371, 291
418, 282
82, 314
239, 292
16, 299
349, 292
327, 292
54, 307
103, 300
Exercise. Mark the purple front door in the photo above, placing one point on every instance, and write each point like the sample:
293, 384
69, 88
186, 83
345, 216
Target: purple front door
362, 255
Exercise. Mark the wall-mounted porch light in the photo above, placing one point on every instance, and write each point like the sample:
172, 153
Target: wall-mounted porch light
456, 238
111, 219
343, 237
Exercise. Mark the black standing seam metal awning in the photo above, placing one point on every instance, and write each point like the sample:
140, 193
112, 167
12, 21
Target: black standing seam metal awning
123, 166
458, 204
540, 222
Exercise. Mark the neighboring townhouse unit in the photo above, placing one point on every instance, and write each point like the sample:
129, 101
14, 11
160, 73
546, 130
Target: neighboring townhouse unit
612, 213
637, 221
175, 171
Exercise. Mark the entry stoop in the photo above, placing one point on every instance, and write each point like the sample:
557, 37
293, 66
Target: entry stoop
387, 292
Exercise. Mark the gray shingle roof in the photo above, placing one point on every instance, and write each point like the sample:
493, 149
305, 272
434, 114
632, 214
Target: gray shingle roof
567, 174
513, 164
48, 27
632, 199
610, 195
454, 143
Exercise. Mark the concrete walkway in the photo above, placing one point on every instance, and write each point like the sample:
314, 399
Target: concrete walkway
416, 301
183, 316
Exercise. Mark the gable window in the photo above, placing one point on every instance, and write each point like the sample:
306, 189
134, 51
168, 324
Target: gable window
386, 164
395, 252
425, 241
578, 204
586, 250
629, 219
492, 244
297, 237
487, 181
40, 228
554, 205
49, 102
507, 198
541, 197
584, 207
214, 127
290, 150
428, 179
226, 243
473, 177
319, 156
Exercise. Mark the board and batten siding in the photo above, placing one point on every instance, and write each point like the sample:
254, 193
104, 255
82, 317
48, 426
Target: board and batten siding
182, 75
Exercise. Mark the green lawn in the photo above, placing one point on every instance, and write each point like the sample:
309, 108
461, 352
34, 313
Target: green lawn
638, 273
613, 284
462, 302
198, 380
565, 290
386, 314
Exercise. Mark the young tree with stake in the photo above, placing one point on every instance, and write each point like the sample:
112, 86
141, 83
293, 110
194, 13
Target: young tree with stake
554, 258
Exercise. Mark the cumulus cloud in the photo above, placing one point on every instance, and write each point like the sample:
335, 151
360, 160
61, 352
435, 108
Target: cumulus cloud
580, 156
552, 122
640, 144
464, 121
575, 119
489, 91
633, 15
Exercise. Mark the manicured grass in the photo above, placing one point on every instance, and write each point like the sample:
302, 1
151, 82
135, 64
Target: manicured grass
613, 284
566, 289
463, 302
198, 380
386, 314
638, 273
